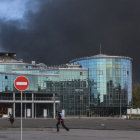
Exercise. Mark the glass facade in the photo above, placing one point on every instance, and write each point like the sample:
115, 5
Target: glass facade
90, 83
69, 83
69, 86
110, 80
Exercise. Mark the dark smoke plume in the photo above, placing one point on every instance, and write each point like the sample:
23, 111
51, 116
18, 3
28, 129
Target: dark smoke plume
65, 29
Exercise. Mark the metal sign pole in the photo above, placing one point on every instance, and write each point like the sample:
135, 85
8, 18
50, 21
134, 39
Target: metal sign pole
21, 83
21, 115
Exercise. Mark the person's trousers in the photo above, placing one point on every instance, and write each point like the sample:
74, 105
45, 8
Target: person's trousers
62, 123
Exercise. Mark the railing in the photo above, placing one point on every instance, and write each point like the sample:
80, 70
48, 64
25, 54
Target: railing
6, 98
30, 98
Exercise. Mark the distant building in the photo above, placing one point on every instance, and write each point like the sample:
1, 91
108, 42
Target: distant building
89, 86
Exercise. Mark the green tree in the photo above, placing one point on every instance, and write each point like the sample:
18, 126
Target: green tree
136, 96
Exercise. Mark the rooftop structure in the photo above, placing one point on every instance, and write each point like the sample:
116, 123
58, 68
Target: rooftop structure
100, 56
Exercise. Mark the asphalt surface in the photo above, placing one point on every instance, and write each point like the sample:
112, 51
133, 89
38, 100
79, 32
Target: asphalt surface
73, 134
75, 123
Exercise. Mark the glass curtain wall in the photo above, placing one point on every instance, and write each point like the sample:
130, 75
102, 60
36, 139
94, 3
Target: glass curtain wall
70, 86
110, 81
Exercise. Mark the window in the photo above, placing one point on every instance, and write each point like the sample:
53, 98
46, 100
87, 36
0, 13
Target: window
6, 77
81, 73
6, 88
100, 72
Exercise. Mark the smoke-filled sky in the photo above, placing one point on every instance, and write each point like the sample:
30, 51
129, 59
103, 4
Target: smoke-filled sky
56, 31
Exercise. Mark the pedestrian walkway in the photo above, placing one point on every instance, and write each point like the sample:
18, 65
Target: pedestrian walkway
74, 134
95, 124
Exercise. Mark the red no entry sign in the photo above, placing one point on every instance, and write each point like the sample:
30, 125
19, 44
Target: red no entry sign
21, 83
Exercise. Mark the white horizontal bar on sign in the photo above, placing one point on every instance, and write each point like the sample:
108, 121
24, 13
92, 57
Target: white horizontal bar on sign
21, 83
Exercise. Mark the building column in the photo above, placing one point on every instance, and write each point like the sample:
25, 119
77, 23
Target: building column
54, 110
14, 105
25, 110
35, 109
32, 105
14, 110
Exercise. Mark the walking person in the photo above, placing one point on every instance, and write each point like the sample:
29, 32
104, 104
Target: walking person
60, 120
11, 119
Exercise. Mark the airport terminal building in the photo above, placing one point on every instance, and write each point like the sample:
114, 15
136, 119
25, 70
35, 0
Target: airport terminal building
90, 86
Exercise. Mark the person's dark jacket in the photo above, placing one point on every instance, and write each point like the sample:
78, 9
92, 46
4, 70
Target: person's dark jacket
59, 117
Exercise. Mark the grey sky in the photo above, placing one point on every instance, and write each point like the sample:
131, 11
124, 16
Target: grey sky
15, 9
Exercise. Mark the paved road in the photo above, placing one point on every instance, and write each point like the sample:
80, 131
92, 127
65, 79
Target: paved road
84, 123
73, 134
